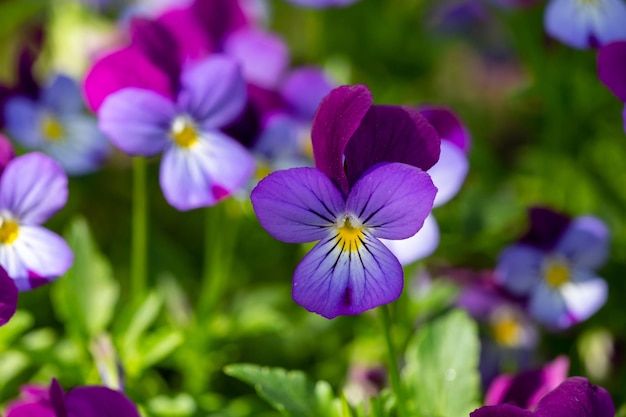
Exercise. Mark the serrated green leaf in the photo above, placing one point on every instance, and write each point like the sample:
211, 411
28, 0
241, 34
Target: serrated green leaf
441, 373
290, 392
85, 297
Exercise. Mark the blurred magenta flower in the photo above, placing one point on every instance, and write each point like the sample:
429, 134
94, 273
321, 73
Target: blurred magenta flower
612, 70
369, 184
527, 388
6, 152
32, 188
574, 397
57, 124
8, 297
200, 164
554, 266
448, 175
86, 401
586, 23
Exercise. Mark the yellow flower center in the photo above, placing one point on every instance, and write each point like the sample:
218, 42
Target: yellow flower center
52, 129
556, 273
507, 331
184, 132
349, 236
8, 231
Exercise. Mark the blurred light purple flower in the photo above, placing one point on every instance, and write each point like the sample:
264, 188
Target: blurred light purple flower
612, 70
32, 188
574, 397
200, 164
349, 210
85, 401
320, 4
554, 266
586, 23
58, 125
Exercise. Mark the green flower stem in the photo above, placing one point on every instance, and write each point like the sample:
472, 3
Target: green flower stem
394, 371
139, 239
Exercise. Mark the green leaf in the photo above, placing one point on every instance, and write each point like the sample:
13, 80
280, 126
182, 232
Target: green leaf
441, 373
85, 297
290, 392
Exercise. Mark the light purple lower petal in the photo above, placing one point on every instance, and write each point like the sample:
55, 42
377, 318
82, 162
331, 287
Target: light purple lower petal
205, 173
37, 255
297, 205
137, 121
32, 188
392, 200
418, 246
94, 401
449, 173
8, 297
520, 269
612, 67
583, 298
585, 243
547, 306
333, 281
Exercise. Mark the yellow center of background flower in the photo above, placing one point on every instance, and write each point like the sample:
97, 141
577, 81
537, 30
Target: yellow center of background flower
556, 274
507, 331
8, 231
52, 129
184, 133
349, 237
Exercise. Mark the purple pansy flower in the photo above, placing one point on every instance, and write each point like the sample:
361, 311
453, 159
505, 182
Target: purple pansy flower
447, 174
86, 401
8, 297
574, 397
612, 70
57, 124
201, 165
369, 184
586, 23
527, 388
554, 266
32, 188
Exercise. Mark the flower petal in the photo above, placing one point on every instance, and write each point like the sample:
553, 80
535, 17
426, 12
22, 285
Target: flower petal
332, 280
137, 121
449, 173
22, 117
213, 92
448, 126
32, 188
576, 397
519, 269
392, 200
418, 246
303, 90
547, 306
62, 96
6, 152
94, 401
42, 254
297, 205
338, 117
585, 243
391, 134
545, 229
263, 56
155, 42
612, 67
8, 297
584, 298
502, 410
202, 175
320, 4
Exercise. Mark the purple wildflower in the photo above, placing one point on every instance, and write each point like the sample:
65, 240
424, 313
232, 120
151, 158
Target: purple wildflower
58, 125
554, 264
586, 23
32, 188
612, 70
86, 401
383, 193
200, 165
448, 175
574, 397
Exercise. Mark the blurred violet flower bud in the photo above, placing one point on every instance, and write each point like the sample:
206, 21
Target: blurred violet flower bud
369, 184
553, 266
612, 70
448, 175
586, 23
573, 397
32, 188
364, 382
85, 401
58, 125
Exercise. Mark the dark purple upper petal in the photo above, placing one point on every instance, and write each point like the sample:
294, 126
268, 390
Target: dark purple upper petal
545, 229
57, 399
503, 410
391, 134
336, 120
576, 397
448, 126
93, 401
612, 68
8, 297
